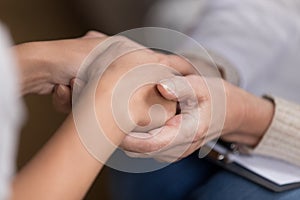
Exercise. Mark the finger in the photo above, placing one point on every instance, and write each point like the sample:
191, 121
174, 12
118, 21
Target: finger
61, 98
165, 156
165, 92
181, 130
172, 154
76, 86
174, 133
169, 155
177, 152
149, 143
182, 65
137, 155
72, 82
144, 155
162, 156
177, 88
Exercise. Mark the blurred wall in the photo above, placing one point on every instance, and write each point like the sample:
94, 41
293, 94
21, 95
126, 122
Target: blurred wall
113, 16
32, 20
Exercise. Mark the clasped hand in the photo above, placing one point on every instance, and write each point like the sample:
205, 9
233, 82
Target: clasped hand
176, 137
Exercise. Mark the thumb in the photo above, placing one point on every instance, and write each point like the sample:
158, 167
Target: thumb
61, 98
176, 88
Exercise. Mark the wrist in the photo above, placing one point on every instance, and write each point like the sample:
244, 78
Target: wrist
258, 116
234, 109
248, 117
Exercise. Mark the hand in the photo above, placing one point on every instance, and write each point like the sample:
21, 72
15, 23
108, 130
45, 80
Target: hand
127, 62
65, 149
46, 64
188, 131
129, 65
100, 92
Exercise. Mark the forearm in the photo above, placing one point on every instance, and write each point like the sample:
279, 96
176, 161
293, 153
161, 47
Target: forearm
267, 130
63, 169
248, 117
258, 116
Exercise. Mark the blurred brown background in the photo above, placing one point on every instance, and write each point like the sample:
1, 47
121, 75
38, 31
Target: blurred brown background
54, 19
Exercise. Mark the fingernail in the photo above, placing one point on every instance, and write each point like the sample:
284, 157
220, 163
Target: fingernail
60, 91
168, 85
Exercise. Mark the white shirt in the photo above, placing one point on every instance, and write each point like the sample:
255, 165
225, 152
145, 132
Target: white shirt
10, 115
261, 38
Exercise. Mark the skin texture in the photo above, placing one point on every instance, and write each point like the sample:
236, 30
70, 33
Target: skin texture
247, 119
50, 67
51, 173
47, 63
63, 169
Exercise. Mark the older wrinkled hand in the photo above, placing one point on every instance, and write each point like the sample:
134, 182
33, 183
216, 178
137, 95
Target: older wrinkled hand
200, 120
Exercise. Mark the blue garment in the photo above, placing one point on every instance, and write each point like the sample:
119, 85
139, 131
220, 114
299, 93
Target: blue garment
225, 185
193, 179
174, 182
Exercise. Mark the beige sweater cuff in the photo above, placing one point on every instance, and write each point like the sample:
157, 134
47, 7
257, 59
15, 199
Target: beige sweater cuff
282, 139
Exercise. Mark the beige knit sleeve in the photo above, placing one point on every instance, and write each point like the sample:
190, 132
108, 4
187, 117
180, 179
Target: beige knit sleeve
282, 139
